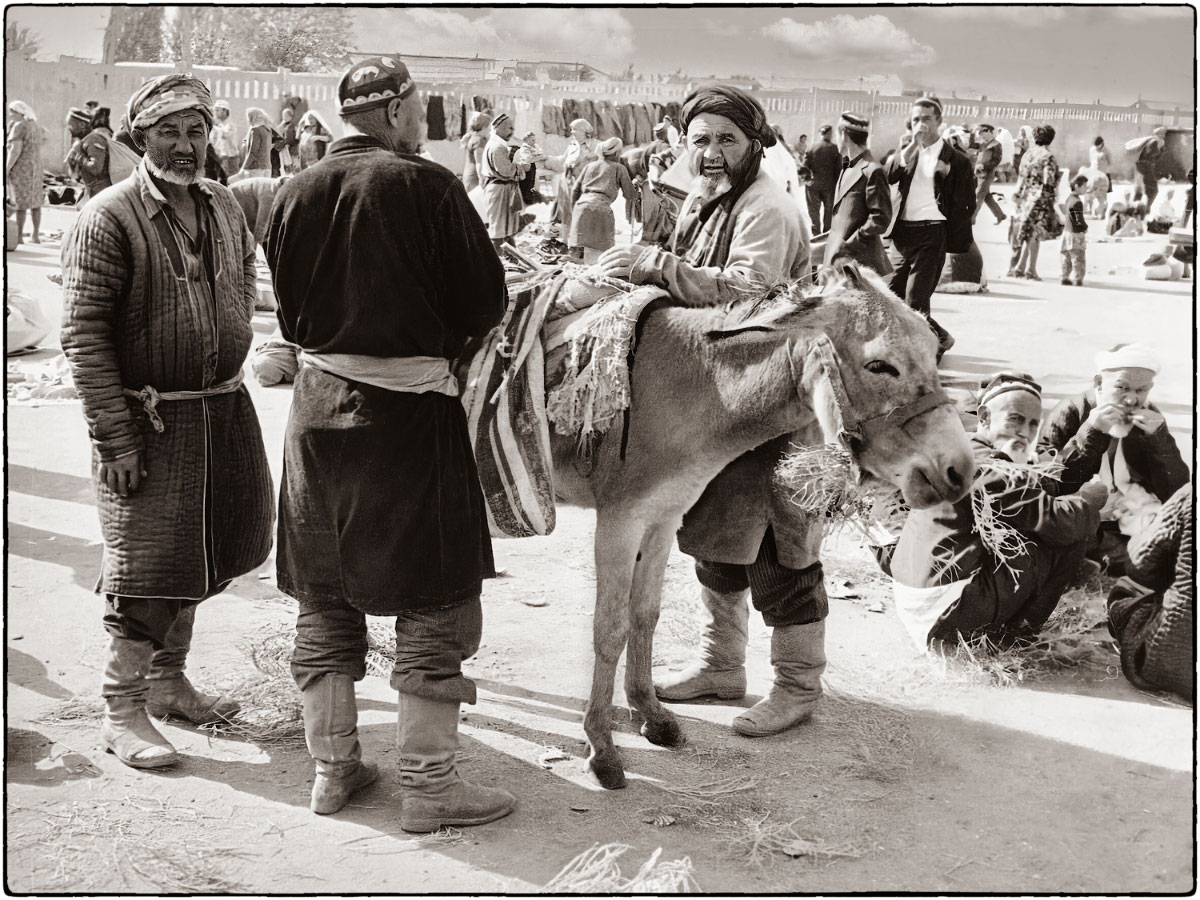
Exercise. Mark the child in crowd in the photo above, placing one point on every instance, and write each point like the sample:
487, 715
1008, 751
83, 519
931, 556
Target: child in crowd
1074, 239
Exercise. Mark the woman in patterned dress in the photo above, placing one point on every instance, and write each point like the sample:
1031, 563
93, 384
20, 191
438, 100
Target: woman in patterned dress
1035, 219
24, 168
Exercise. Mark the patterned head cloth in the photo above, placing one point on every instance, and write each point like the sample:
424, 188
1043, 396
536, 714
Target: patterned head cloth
734, 104
1004, 382
856, 126
372, 83
610, 147
168, 94
78, 116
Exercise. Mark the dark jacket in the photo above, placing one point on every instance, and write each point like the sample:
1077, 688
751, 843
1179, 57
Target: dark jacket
826, 164
990, 155
862, 210
939, 545
1154, 460
375, 253
953, 189
132, 318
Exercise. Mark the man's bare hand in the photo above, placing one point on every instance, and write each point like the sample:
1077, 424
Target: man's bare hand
1148, 420
123, 475
1105, 418
616, 262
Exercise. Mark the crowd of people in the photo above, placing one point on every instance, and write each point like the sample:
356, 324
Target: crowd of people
179, 458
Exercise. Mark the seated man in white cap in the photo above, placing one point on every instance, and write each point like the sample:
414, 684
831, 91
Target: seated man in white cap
1114, 432
948, 581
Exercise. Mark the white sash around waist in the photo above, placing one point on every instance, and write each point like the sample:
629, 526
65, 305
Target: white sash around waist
408, 374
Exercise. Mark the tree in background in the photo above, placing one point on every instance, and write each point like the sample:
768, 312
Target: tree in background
21, 41
305, 39
214, 36
135, 34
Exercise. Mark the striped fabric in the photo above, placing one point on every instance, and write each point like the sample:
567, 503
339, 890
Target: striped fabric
505, 401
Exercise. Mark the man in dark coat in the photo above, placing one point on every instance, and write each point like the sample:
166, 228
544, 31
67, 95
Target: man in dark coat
383, 269
738, 233
990, 154
947, 582
862, 201
1115, 432
933, 217
159, 285
825, 163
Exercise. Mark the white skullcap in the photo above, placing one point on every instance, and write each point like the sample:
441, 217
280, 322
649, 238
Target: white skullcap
1128, 356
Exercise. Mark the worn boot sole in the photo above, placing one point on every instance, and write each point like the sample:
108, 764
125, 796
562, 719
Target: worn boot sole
365, 776
416, 825
775, 722
724, 686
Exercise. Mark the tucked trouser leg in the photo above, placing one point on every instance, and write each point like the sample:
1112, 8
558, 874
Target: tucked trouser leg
794, 603
136, 628
721, 669
431, 646
328, 658
170, 693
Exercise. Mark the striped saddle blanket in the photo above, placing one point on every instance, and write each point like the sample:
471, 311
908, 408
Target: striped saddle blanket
586, 326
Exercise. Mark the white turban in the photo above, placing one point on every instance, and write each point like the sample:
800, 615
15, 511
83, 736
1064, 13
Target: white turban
1128, 356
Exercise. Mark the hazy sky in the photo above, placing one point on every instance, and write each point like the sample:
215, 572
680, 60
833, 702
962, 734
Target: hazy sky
1114, 53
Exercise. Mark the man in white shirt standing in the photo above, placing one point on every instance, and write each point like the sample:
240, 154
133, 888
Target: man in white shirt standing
932, 216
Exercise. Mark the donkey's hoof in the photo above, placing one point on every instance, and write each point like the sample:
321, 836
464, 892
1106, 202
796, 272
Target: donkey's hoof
609, 772
664, 732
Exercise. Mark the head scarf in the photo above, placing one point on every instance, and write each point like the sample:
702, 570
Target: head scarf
1003, 382
610, 147
313, 116
747, 114
81, 116
256, 116
734, 104
222, 104
1128, 356
582, 125
24, 109
372, 83
168, 94
478, 121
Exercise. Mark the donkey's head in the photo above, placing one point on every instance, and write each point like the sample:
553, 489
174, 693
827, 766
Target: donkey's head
872, 374
866, 365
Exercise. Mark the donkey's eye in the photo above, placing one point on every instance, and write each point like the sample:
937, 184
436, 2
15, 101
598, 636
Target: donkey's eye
879, 367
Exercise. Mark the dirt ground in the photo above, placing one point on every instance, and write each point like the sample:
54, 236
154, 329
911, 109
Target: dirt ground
912, 776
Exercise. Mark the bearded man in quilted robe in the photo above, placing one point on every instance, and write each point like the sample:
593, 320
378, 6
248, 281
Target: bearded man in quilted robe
159, 286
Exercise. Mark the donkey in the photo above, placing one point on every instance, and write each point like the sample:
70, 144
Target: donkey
709, 384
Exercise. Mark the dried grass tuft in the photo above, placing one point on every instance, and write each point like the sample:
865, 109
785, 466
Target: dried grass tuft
272, 712
77, 709
709, 791
760, 842
595, 871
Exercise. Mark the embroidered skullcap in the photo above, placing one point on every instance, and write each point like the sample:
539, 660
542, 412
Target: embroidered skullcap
499, 118
1005, 382
1128, 356
986, 127
20, 106
222, 104
855, 124
78, 115
610, 147
373, 83
734, 104
929, 100
168, 94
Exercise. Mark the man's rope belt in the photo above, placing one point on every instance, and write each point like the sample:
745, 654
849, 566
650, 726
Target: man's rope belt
150, 397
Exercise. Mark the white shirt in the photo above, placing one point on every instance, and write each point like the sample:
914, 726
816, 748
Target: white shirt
781, 166
921, 205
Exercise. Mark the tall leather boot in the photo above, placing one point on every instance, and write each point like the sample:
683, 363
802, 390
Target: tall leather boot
170, 693
331, 732
798, 655
433, 793
721, 669
127, 731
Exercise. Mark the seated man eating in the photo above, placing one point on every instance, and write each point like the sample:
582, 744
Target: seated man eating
948, 581
1113, 432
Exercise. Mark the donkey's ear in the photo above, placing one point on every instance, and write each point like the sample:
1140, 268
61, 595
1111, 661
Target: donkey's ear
827, 394
848, 269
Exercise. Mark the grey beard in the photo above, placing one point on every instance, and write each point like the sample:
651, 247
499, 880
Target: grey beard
710, 188
169, 174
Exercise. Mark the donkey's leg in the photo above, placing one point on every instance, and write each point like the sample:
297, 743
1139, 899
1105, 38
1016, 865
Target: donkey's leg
616, 551
660, 726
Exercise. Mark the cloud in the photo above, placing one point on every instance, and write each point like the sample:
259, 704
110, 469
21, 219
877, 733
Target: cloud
847, 41
602, 37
